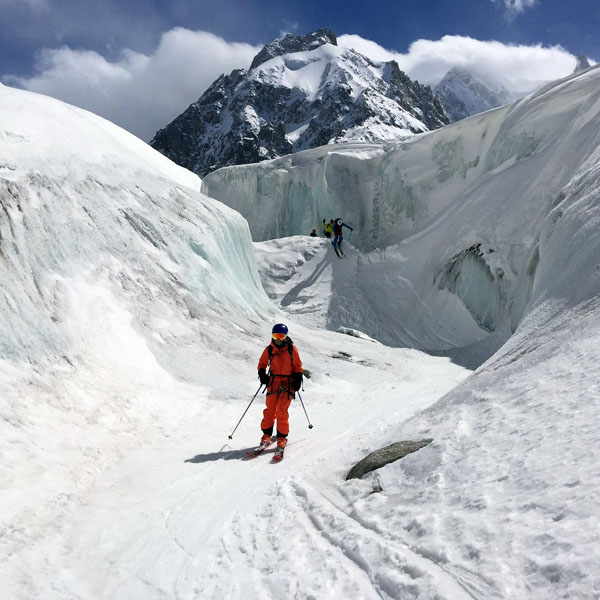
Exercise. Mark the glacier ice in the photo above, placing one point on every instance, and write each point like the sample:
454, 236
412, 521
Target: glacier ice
87, 229
496, 181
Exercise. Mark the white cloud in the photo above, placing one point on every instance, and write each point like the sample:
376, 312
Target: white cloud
515, 7
143, 93
139, 92
37, 5
520, 69
289, 27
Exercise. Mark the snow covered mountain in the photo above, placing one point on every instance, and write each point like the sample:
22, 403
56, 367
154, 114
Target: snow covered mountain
582, 63
462, 94
132, 317
460, 216
300, 92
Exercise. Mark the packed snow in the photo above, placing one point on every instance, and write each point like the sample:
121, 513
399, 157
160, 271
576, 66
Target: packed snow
134, 310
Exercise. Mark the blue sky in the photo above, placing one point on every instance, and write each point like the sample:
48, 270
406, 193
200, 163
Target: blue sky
66, 47
110, 25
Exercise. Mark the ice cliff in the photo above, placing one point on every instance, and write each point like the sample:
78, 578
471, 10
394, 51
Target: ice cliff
112, 227
463, 221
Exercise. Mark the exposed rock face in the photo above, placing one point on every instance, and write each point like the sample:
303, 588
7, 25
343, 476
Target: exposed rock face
385, 456
463, 94
301, 92
582, 63
294, 43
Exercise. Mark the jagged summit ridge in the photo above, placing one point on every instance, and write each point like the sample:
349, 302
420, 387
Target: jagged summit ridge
302, 92
464, 93
294, 43
582, 63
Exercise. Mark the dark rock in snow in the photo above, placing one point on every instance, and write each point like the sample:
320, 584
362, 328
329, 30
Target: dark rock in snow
385, 456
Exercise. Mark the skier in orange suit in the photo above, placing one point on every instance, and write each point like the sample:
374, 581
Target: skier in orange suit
282, 381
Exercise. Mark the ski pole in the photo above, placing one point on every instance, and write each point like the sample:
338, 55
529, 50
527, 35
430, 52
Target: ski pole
251, 401
309, 423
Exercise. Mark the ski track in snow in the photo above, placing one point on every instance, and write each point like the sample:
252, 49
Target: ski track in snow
184, 527
252, 518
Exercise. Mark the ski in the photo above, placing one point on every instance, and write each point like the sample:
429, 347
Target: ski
278, 455
260, 448
336, 252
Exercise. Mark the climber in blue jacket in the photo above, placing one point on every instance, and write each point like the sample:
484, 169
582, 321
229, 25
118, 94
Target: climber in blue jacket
338, 237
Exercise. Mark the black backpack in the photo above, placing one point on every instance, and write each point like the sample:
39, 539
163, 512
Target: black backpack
290, 347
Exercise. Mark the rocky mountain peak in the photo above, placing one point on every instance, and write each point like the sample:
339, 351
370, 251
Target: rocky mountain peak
582, 63
301, 92
294, 43
464, 93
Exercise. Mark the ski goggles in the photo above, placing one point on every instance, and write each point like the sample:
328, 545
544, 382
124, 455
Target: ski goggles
279, 336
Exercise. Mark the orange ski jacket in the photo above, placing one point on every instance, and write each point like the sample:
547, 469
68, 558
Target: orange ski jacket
283, 364
281, 361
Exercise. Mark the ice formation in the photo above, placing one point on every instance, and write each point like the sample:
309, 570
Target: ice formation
459, 219
80, 222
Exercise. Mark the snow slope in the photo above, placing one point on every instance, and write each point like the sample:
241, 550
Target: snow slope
461, 222
118, 280
504, 503
133, 317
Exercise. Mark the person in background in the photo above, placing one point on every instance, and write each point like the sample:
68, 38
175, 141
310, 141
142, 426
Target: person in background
338, 237
313, 233
327, 228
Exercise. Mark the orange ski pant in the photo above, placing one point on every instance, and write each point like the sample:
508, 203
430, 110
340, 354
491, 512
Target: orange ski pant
278, 404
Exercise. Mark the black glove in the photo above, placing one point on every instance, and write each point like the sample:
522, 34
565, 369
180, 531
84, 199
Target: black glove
264, 378
296, 381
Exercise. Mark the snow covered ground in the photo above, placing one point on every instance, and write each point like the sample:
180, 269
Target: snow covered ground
132, 317
132, 320
504, 503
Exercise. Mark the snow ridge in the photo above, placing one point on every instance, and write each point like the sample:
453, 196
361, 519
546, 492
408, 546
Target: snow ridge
463, 94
